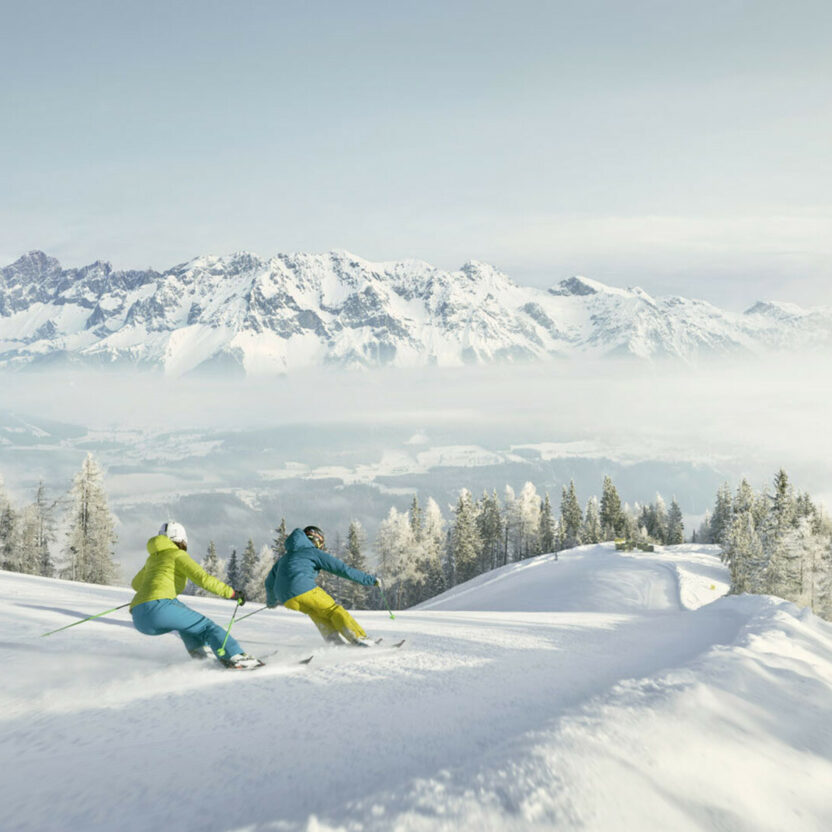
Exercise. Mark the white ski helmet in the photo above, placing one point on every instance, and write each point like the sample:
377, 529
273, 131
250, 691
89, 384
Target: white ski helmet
175, 531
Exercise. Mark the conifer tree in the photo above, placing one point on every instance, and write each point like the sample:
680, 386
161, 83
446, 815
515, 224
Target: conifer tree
91, 536
465, 539
433, 544
44, 520
658, 529
547, 533
612, 517
248, 568
591, 532
416, 519
212, 564
571, 518
279, 542
9, 537
722, 514
675, 525
490, 528
256, 588
233, 573
355, 595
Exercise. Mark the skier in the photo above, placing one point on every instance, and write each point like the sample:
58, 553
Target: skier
156, 610
291, 582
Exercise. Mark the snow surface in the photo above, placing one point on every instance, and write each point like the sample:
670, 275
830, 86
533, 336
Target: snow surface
598, 690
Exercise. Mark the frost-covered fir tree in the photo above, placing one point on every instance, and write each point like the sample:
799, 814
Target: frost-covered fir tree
743, 552
279, 542
465, 538
9, 536
213, 565
659, 530
548, 532
395, 546
591, 531
722, 514
355, 595
248, 567
490, 528
432, 546
91, 536
43, 510
525, 523
675, 525
781, 566
571, 517
232, 572
612, 517
256, 588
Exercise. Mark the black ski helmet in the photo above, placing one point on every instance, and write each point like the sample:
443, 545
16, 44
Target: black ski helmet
315, 535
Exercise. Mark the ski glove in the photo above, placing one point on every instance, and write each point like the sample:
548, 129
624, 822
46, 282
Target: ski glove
239, 596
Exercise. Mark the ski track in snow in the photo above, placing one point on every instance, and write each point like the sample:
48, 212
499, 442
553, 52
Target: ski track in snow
599, 690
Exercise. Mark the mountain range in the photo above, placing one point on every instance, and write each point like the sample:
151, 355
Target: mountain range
245, 314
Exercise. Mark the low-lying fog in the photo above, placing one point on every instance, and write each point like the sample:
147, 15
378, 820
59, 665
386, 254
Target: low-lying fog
338, 444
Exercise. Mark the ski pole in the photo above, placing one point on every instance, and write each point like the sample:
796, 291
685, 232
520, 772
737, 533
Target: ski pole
88, 618
252, 613
384, 600
221, 651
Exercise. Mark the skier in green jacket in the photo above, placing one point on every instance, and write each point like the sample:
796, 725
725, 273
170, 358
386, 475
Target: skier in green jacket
156, 609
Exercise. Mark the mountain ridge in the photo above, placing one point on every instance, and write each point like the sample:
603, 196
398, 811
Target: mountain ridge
251, 315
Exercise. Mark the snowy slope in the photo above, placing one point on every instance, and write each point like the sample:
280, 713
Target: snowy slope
244, 314
513, 706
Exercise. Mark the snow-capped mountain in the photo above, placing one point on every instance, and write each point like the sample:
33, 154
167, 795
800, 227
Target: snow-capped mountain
294, 311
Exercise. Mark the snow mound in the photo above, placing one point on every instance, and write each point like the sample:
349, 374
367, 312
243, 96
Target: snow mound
595, 578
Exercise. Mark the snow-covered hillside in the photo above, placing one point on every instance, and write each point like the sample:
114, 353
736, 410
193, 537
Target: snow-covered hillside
245, 314
597, 691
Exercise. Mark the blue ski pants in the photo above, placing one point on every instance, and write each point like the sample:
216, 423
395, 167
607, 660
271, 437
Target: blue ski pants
168, 614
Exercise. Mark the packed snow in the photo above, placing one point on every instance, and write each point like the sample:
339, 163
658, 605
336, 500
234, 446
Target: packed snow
597, 690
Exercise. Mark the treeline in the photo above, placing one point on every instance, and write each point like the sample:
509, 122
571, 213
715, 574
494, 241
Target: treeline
419, 553
775, 542
29, 536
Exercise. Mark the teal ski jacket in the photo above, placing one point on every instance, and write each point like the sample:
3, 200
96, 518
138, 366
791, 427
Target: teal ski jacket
296, 571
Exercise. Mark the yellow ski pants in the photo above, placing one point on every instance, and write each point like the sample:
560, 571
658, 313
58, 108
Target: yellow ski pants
330, 617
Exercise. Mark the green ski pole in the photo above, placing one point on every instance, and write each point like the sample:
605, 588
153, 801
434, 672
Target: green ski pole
88, 618
249, 614
384, 600
221, 651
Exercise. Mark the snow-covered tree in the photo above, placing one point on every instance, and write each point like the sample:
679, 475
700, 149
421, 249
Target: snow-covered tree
256, 588
91, 536
547, 533
355, 595
525, 523
591, 531
722, 514
432, 545
571, 518
465, 538
233, 572
279, 542
248, 568
9, 536
490, 527
395, 546
213, 565
675, 525
612, 517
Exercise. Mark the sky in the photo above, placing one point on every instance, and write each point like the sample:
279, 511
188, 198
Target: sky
682, 147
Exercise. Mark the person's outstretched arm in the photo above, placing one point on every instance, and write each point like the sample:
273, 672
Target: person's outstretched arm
332, 564
200, 577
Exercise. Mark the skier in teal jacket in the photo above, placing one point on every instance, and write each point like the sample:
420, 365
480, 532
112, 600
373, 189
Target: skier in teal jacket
292, 582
